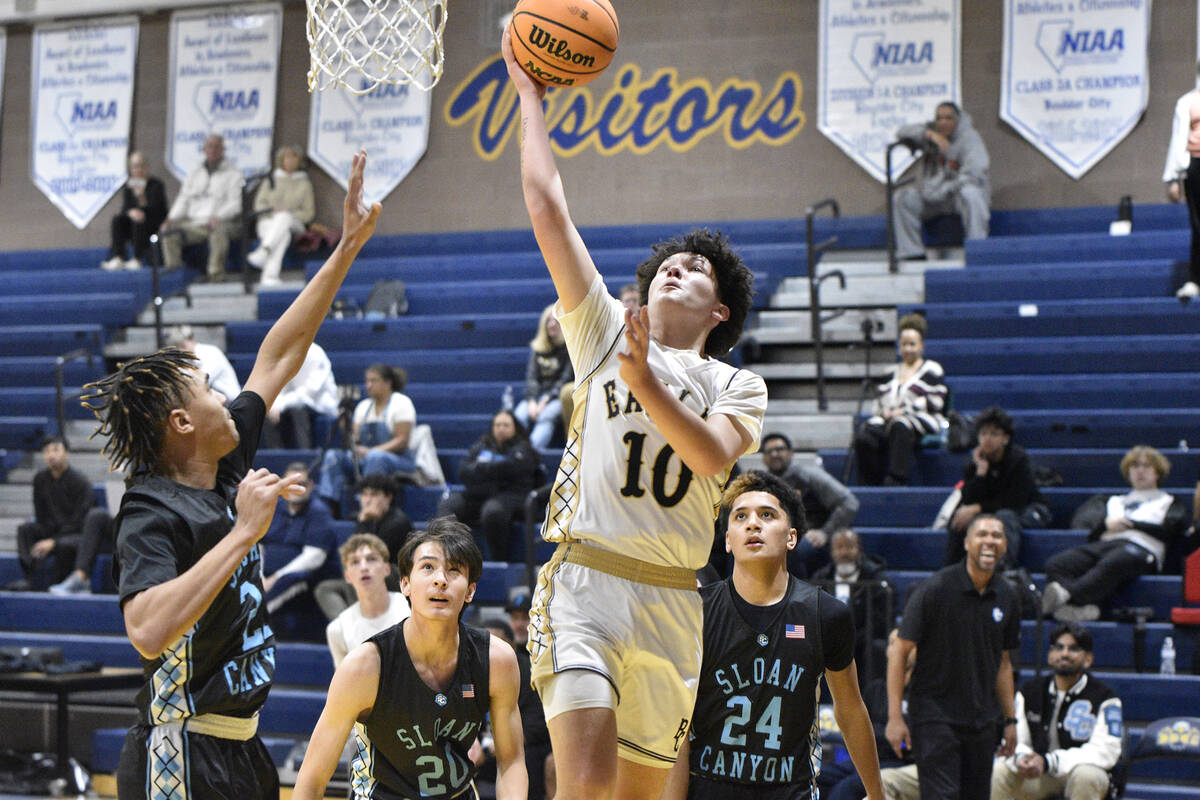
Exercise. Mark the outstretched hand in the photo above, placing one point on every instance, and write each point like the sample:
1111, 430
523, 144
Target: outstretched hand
635, 367
358, 221
516, 73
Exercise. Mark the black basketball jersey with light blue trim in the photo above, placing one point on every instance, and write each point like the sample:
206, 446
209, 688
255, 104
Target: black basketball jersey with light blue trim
415, 742
754, 731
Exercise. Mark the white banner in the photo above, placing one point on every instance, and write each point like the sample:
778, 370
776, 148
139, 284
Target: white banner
223, 79
81, 99
884, 65
1075, 78
392, 123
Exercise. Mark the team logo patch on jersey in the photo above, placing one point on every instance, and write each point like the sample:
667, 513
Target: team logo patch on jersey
468, 691
763, 640
997, 614
440, 699
793, 632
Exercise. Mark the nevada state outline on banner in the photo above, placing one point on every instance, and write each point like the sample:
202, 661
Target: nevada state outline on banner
81, 106
1075, 79
884, 65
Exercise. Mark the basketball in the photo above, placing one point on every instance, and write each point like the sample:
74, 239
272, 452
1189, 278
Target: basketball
564, 42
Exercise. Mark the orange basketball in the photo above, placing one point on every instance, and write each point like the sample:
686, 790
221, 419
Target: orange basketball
564, 42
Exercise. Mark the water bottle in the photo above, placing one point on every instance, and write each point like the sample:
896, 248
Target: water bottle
1167, 666
507, 401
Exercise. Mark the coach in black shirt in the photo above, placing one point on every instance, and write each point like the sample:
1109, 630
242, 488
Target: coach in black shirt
963, 622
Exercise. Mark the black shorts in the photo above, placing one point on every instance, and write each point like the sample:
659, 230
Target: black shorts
700, 788
207, 768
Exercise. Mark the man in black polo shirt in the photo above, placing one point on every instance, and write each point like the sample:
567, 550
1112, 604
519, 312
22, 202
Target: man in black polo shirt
963, 621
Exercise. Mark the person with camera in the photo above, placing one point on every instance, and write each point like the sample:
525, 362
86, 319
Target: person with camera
952, 178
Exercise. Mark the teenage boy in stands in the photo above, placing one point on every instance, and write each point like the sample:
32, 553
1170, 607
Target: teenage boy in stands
187, 534
299, 544
366, 567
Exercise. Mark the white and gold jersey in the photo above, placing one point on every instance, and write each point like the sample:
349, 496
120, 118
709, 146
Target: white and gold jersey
620, 486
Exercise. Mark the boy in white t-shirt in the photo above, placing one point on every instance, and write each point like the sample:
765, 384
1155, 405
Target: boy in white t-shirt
366, 566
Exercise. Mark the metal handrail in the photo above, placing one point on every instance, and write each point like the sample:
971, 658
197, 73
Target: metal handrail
247, 218
892, 186
60, 362
814, 288
160, 339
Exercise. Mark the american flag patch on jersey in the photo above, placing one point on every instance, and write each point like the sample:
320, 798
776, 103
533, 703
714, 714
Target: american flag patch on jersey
468, 691
793, 631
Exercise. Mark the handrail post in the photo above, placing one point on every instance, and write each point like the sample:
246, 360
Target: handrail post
60, 363
892, 186
814, 291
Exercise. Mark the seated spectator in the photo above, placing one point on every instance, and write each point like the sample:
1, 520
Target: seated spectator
287, 199
313, 392
98, 536
1069, 728
1130, 540
379, 429
62, 497
997, 480
365, 566
846, 578
909, 406
828, 505
548, 370
143, 209
208, 209
497, 474
380, 516
300, 546
213, 361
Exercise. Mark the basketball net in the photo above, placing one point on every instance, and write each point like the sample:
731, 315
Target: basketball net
361, 44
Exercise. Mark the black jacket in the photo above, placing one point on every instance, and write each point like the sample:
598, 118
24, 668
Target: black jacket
155, 206
487, 469
864, 600
1007, 484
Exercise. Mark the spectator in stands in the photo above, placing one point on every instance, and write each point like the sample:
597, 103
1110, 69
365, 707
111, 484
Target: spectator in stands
517, 608
548, 370
285, 202
143, 209
213, 361
497, 474
312, 393
62, 496
533, 717
208, 209
997, 480
300, 546
964, 622
909, 407
860, 581
98, 537
1069, 728
952, 178
1182, 179
380, 428
828, 505
366, 567
381, 516
630, 296
1130, 539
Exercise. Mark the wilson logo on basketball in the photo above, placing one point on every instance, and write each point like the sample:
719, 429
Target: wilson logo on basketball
558, 48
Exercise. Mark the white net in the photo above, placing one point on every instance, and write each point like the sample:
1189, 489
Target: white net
360, 44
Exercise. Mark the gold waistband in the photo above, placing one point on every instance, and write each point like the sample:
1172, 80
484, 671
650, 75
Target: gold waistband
631, 569
223, 727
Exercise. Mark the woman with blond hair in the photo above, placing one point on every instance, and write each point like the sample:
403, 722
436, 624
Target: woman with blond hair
1131, 539
286, 197
548, 370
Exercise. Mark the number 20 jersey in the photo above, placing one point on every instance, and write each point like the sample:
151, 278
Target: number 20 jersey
620, 485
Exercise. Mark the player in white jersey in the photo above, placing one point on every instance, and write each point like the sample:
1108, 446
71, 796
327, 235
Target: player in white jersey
615, 629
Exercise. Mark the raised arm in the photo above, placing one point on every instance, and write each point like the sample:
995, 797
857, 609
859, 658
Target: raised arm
566, 256
285, 345
512, 782
351, 695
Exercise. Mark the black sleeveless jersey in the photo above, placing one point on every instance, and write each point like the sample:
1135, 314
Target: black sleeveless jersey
754, 731
415, 742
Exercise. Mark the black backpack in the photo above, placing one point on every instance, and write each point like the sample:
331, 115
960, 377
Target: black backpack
387, 299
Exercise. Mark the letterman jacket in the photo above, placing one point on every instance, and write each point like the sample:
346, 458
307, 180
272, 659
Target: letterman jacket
1090, 725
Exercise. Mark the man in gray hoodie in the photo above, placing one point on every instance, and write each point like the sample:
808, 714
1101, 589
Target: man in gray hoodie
952, 178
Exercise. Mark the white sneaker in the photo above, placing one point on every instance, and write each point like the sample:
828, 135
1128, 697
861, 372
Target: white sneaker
72, 584
257, 257
1085, 613
1054, 598
113, 263
269, 283
133, 264
1189, 289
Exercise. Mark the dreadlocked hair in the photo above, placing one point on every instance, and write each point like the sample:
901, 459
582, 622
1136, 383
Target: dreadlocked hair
133, 403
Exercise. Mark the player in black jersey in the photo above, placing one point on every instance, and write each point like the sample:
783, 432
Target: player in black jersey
768, 639
190, 577
417, 693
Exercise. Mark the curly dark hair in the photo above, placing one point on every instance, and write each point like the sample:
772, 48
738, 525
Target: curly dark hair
735, 281
134, 402
760, 481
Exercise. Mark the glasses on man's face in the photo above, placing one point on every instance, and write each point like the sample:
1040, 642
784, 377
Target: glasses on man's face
1070, 648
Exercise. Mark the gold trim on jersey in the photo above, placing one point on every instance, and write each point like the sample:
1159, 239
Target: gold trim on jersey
239, 729
564, 496
630, 569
